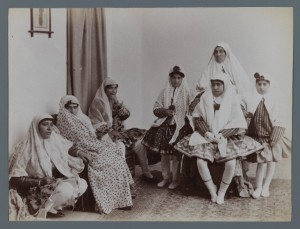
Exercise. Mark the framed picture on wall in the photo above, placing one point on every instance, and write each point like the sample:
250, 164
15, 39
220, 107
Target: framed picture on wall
40, 21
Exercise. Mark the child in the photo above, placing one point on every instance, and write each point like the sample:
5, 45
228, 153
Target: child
170, 107
266, 128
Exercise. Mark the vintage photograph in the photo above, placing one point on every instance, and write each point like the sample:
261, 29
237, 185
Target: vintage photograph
150, 114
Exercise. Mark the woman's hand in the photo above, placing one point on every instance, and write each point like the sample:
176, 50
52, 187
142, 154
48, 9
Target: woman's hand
210, 137
219, 138
84, 156
102, 130
272, 143
46, 180
169, 113
114, 135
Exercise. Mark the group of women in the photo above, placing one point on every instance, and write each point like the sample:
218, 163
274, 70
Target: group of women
209, 124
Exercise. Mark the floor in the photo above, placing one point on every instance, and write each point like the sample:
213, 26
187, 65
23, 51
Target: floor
154, 204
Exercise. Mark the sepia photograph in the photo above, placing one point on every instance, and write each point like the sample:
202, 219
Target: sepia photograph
179, 114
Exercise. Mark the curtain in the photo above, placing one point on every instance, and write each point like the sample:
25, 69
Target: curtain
86, 53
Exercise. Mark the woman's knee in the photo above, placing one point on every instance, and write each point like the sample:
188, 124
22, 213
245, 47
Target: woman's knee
65, 189
230, 164
201, 163
82, 186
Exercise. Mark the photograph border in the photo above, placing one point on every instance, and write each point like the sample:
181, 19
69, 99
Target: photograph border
6, 4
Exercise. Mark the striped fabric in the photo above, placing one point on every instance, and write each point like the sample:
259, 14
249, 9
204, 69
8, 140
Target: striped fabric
229, 132
201, 126
277, 133
261, 128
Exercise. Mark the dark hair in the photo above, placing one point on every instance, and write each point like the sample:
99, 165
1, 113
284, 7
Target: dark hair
108, 86
176, 70
221, 81
220, 47
45, 119
69, 103
260, 77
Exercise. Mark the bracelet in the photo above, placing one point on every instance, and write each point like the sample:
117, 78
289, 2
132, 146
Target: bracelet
77, 153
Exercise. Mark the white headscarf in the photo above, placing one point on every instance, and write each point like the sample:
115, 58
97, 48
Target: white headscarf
100, 110
233, 68
80, 115
181, 101
34, 155
270, 103
229, 115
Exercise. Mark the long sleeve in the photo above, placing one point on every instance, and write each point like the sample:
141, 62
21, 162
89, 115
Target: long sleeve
73, 151
277, 133
160, 112
229, 132
201, 126
23, 183
121, 111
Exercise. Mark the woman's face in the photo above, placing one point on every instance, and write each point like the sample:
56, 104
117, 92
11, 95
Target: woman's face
45, 128
262, 87
111, 90
176, 80
217, 88
72, 108
219, 54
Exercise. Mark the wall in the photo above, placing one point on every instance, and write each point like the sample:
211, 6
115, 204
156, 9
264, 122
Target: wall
143, 44
261, 39
37, 70
124, 57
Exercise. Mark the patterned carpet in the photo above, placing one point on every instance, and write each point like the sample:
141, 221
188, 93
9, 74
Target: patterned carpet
154, 204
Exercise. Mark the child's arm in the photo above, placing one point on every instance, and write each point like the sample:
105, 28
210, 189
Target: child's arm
229, 132
201, 126
276, 134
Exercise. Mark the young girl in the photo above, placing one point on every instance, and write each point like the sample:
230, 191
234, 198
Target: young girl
266, 128
170, 107
219, 134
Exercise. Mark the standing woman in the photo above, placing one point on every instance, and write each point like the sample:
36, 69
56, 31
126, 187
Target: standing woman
42, 171
223, 60
172, 124
108, 174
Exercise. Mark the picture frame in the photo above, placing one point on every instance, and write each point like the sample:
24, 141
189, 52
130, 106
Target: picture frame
40, 21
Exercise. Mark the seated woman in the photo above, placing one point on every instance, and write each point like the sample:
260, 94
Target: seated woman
108, 113
108, 174
219, 136
43, 172
172, 124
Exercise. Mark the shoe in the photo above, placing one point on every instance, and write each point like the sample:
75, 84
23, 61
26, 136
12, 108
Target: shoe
174, 185
148, 179
133, 195
59, 214
128, 208
162, 183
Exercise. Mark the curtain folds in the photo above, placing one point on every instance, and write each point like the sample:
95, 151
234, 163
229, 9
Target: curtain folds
86, 53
